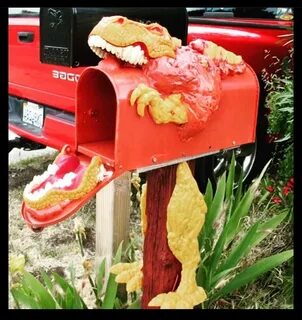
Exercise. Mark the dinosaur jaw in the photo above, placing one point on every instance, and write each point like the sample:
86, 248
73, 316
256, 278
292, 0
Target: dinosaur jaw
132, 54
64, 180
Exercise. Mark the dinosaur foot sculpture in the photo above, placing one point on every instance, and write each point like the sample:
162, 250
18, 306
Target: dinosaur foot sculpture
185, 218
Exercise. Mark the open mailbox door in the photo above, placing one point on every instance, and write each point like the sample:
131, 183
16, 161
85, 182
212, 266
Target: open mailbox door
113, 136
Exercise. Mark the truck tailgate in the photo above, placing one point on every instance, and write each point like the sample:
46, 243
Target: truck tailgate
29, 78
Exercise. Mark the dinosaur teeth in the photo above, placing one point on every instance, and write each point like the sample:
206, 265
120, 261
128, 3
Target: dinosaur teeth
52, 169
103, 173
98, 51
132, 54
96, 41
66, 181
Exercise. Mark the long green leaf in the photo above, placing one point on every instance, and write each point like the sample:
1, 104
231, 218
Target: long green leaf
43, 296
208, 196
238, 194
66, 286
69, 300
263, 198
240, 250
241, 211
214, 212
253, 272
214, 258
111, 288
24, 299
47, 280
252, 238
223, 274
267, 227
49, 286
61, 281
217, 203
72, 300
230, 180
135, 305
100, 277
243, 207
201, 275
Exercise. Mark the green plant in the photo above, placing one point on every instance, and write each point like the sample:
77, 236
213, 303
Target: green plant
109, 298
280, 105
55, 292
225, 240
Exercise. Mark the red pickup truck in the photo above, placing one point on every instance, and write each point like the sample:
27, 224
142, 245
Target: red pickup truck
43, 77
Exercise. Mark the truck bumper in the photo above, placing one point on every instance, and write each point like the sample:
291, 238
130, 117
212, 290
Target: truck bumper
57, 130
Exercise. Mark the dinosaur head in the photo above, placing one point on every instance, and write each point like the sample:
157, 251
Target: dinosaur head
131, 41
65, 180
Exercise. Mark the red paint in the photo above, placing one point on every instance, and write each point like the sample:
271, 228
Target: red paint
199, 83
224, 66
66, 163
200, 86
161, 269
251, 43
31, 79
108, 88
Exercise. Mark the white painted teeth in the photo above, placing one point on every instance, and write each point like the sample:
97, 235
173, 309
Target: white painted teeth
96, 41
48, 186
103, 173
98, 51
68, 178
52, 169
132, 54
66, 181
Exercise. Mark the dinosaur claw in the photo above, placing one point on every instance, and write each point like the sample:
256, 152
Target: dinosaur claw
137, 92
170, 109
145, 100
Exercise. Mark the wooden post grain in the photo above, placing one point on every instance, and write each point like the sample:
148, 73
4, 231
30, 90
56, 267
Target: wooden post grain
112, 218
161, 269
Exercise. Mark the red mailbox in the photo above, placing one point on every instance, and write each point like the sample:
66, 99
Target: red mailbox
109, 127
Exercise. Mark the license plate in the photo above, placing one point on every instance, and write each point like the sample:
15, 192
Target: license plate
33, 114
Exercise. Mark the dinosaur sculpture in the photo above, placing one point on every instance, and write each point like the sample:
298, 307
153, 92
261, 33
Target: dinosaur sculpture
184, 82
183, 87
185, 218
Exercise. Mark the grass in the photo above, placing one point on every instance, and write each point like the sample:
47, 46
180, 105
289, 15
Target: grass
38, 162
22, 172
